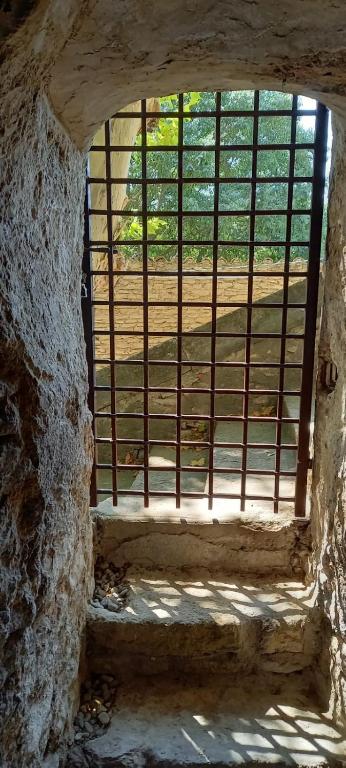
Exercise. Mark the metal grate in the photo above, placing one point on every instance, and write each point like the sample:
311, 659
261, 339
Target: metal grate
217, 404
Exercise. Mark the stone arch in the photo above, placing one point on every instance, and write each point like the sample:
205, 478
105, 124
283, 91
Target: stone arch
62, 73
118, 55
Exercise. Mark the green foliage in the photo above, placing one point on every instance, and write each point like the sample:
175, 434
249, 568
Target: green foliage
200, 132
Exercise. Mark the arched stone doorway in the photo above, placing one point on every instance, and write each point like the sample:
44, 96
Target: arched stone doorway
60, 67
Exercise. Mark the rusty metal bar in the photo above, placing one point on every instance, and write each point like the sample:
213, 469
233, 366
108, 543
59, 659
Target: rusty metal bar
249, 333
214, 301
179, 300
145, 307
111, 332
87, 314
203, 214
200, 444
205, 363
311, 314
206, 147
214, 113
190, 273
280, 399
196, 180
199, 417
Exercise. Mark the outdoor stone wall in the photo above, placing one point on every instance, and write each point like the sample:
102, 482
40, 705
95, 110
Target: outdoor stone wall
162, 289
90, 58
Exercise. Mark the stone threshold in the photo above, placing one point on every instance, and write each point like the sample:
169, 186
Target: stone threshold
254, 543
194, 511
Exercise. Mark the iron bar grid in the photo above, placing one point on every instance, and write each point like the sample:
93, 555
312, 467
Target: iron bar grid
112, 331
249, 334
180, 302
118, 397
280, 399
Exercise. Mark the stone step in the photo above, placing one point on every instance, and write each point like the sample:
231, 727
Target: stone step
164, 537
191, 623
260, 722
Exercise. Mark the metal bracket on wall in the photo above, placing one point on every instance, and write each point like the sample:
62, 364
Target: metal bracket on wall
328, 375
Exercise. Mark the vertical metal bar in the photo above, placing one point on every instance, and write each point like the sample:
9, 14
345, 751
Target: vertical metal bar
111, 310
145, 304
87, 314
214, 298
280, 398
312, 304
249, 300
179, 297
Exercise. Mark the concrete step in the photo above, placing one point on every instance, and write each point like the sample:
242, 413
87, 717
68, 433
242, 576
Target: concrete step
190, 624
164, 537
260, 722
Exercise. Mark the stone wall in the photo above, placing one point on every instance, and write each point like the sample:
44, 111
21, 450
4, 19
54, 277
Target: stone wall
45, 426
164, 289
328, 501
92, 57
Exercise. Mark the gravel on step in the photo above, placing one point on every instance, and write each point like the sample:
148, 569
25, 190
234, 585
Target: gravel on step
111, 589
98, 696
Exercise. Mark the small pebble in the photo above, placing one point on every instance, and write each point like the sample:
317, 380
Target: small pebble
104, 718
110, 605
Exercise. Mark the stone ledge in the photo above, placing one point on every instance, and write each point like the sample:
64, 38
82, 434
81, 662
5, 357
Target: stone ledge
189, 624
257, 543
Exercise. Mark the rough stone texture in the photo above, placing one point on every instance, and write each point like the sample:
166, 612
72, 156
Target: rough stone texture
12, 15
261, 721
265, 544
45, 426
200, 623
94, 57
328, 501
120, 53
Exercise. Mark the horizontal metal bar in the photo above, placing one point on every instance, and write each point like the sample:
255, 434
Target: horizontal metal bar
198, 334
199, 363
198, 390
207, 304
195, 495
197, 470
198, 444
193, 417
199, 273
129, 148
215, 113
202, 214
171, 180
230, 243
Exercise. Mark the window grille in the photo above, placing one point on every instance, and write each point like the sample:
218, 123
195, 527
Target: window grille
201, 296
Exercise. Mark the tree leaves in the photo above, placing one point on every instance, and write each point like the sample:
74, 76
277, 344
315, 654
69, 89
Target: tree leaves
200, 131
